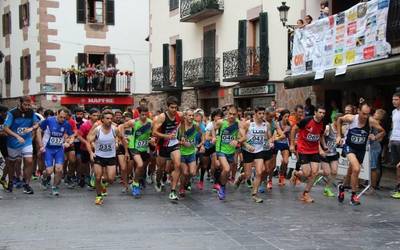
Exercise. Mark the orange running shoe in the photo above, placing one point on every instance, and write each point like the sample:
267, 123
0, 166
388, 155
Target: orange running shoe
281, 180
305, 197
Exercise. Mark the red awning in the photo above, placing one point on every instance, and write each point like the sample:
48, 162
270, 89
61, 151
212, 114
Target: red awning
96, 100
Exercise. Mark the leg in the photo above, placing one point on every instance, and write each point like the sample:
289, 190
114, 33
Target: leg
124, 172
176, 162
260, 169
139, 171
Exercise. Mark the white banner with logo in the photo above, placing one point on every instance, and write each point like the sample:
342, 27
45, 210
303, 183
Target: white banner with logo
354, 36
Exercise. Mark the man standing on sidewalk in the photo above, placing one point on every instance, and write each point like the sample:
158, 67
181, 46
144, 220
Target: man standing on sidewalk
395, 141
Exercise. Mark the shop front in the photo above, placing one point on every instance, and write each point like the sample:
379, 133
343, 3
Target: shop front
251, 97
113, 102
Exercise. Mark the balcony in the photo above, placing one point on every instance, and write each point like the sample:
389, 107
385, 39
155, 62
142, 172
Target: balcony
119, 84
245, 65
197, 10
202, 72
164, 79
393, 26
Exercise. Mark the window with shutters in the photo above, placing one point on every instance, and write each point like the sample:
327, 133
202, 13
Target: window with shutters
25, 67
24, 15
6, 23
7, 70
173, 5
95, 12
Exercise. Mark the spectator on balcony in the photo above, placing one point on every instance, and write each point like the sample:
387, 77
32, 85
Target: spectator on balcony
72, 77
90, 72
324, 11
109, 74
101, 68
300, 24
82, 77
308, 19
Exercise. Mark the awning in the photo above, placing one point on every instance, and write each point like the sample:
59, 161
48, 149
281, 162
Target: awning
96, 100
385, 69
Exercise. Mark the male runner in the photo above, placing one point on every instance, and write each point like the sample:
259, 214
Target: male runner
281, 144
395, 141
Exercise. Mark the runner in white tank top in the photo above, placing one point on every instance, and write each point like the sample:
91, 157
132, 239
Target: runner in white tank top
104, 138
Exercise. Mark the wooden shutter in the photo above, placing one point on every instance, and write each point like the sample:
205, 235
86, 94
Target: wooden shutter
110, 59
179, 64
28, 13
7, 71
82, 58
264, 47
209, 56
28, 66
166, 64
242, 48
4, 24
21, 22
21, 67
110, 12
81, 11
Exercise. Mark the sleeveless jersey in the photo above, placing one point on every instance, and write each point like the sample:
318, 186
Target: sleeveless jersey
357, 137
105, 143
190, 136
139, 138
169, 127
226, 134
330, 140
286, 132
256, 136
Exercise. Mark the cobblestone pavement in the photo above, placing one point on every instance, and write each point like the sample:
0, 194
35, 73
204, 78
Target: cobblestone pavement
199, 221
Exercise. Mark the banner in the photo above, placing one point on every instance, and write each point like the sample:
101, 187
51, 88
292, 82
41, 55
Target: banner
354, 36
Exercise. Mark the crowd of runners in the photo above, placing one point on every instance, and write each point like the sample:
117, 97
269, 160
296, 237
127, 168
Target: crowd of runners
182, 148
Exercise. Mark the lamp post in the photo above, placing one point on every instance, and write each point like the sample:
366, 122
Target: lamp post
283, 15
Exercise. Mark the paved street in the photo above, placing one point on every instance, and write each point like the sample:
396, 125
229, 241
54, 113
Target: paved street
199, 221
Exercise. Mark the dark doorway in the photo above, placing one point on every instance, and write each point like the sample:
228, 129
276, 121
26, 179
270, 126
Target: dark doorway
209, 56
243, 103
340, 5
96, 58
208, 105
332, 97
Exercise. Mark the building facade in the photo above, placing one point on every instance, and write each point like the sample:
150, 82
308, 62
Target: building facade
42, 39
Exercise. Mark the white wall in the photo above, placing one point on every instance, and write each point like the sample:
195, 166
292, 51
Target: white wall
163, 27
17, 44
126, 39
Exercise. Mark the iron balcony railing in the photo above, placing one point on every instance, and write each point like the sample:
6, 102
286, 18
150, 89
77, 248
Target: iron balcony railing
164, 77
393, 26
193, 7
244, 64
201, 71
119, 83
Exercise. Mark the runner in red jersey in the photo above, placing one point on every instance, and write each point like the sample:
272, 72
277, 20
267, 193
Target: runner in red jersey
310, 135
70, 163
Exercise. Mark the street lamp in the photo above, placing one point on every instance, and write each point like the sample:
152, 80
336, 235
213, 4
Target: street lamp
283, 15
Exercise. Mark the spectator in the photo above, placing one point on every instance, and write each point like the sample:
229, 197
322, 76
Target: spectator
309, 108
300, 24
308, 19
324, 11
334, 110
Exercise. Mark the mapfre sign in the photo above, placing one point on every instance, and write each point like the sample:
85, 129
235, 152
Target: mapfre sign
124, 100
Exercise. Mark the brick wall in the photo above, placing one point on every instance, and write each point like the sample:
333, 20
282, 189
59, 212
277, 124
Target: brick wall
289, 98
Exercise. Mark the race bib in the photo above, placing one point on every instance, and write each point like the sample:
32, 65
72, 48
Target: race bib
257, 140
227, 138
105, 147
20, 130
56, 141
312, 137
358, 139
173, 142
141, 144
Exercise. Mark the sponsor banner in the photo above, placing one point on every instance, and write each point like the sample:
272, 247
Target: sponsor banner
96, 100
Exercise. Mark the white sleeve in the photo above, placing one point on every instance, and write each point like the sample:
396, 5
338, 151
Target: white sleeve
209, 126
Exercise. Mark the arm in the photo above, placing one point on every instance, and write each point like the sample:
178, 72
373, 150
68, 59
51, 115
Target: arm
90, 139
279, 135
39, 139
293, 132
381, 132
157, 125
121, 137
339, 124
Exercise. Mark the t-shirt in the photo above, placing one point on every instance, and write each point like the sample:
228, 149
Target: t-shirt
72, 123
396, 125
18, 121
309, 135
84, 131
54, 132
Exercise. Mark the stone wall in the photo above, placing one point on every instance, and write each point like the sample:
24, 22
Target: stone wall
289, 98
188, 99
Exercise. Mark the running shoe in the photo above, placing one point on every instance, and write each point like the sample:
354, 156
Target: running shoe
269, 184
19, 183
328, 192
256, 198
9, 188
4, 184
281, 180
34, 177
396, 195
340, 194
181, 192
355, 201
216, 187
249, 183
135, 190
221, 193
305, 197
28, 189
124, 190
158, 187
261, 189
294, 178
43, 182
99, 200
237, 183
103, 190
188, 187
55, 191
173, 196
200, 185
149, 180
81, 181
92, 181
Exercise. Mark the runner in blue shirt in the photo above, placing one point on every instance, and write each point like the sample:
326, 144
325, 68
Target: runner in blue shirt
19, 124
52, 144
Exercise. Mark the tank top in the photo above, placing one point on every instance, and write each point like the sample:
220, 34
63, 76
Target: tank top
190, 137
256, 136
140, 135
169, 127
105, 143
226, 134
286, 132
330, 140
357, 137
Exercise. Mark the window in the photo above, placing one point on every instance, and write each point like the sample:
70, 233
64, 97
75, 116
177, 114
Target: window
24, 15
25, 70
6, 23
95, 11
173, 5
7, 70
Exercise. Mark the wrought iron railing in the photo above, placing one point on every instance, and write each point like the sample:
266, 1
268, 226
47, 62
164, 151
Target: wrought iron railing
191, 7
243, 63
290, 37
119, 83
164, 77
393, 25
202, 70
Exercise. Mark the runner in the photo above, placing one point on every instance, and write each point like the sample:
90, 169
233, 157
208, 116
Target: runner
227, 141
395, 141
52, 145
355, 144
70, 163
3, 147
281, 144
215, 170
19, 124
124, 161
271, 164
138, 145
165, 129
253, 135
104, 161
201, 160
310, 135
79, 119
330, 161
188, 134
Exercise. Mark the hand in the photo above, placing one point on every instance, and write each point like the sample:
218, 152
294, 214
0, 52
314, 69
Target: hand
250, 148
322, 153
202, 149
152, 140
271, 145
42, 149
234, 143
21, 140
27, 130
339, 141
372, 137
92, 155
171, 136
292, 149
186, 144
127, 156
213, 140
66, 145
